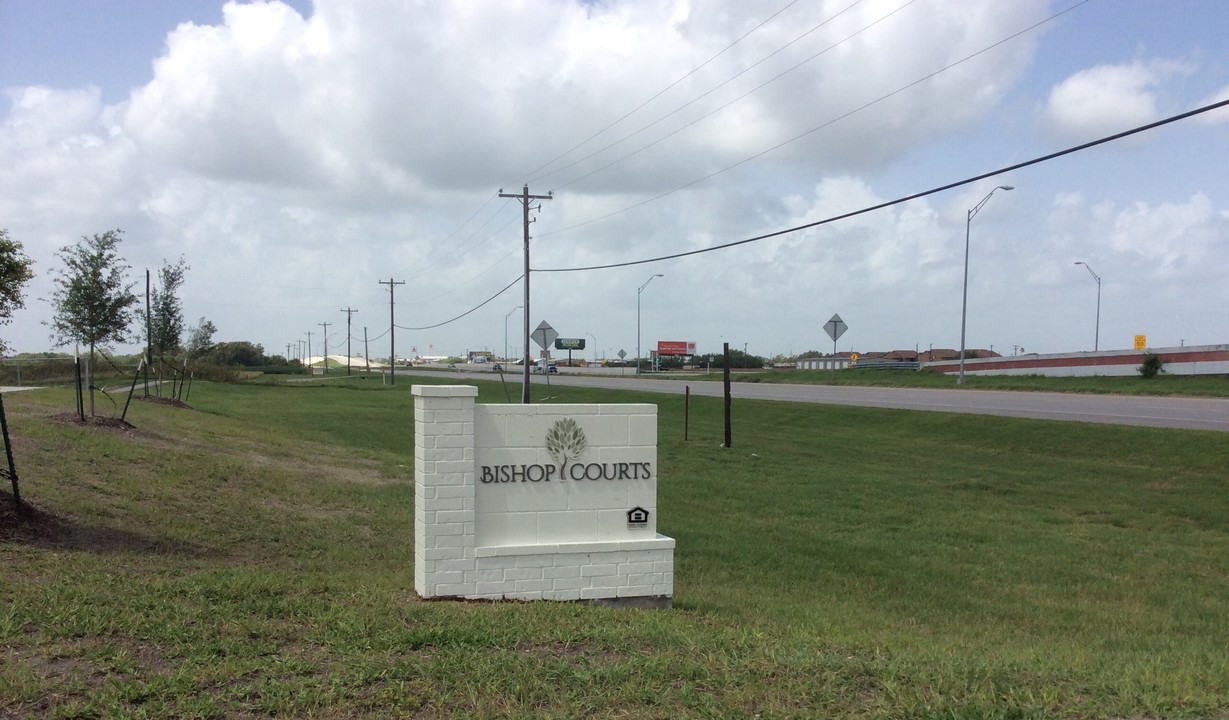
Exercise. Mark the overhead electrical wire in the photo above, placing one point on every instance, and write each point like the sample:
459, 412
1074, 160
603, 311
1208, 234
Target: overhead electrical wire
802, 135
854, 213
626, 115
738, 99
906, 198
456, 250
760, 154
529, 175
453, 251
708, 92
771, 149
505, 289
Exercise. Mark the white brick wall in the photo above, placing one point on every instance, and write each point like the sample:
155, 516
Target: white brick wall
559, 540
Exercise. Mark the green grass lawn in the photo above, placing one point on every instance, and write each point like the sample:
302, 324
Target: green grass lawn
1177, 385
252, 556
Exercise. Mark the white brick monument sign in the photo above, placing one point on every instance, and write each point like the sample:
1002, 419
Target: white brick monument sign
537, 502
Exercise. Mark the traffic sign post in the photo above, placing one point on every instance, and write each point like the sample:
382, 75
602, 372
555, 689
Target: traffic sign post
543, 336
835, 327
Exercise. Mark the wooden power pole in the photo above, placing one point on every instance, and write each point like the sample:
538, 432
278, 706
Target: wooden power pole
524, 197
392, 325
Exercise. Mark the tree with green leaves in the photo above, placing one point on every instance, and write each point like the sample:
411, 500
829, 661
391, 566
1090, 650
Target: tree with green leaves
93, 300
15, 271
200, 338
238, 352
166, 323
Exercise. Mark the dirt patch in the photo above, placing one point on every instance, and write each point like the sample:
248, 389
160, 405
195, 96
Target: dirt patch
110, 423
569, 652
166, 401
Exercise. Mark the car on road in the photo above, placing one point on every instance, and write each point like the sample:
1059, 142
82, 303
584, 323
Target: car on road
497, 368
548, 369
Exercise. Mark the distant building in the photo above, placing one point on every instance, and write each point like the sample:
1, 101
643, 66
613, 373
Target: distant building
839, 361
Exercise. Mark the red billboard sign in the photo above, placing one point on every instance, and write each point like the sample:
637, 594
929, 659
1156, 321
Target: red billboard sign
674, 347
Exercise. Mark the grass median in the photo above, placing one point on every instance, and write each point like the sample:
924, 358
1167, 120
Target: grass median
252, 556
1161, 385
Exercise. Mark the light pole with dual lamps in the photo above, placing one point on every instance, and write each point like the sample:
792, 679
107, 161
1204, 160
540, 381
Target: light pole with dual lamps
642, 287
964, 303
1096, 338
594, 345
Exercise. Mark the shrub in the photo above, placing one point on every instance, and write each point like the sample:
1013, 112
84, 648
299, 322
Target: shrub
1152, 366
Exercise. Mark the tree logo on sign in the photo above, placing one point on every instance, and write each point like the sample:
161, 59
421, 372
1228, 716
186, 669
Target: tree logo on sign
565, 441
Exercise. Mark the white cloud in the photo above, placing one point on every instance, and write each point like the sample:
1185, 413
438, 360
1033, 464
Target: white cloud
1215, 117
1109, 98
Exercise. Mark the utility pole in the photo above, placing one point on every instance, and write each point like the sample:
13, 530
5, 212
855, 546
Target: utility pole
309, 350
326, 347
349, 314
524, 198
149, 336
288, 353
392, 336
366, 352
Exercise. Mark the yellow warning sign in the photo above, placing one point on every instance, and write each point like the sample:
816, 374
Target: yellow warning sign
1141, 342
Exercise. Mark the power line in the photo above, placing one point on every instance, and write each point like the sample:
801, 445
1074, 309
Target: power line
907, 198
714, 89
502, 290
658, 94
798, 137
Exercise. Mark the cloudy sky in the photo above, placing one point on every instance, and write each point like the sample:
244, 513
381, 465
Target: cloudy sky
297, 154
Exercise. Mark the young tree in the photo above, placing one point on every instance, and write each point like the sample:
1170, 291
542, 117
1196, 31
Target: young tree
15, 272
166, 322
93, 300
200, 339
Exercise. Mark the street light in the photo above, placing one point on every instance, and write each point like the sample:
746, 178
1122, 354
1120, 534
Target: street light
642, 287
964, 303
518, 307
1096, 338
594, 345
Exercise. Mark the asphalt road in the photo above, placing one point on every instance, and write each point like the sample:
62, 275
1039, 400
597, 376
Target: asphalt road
1168, 412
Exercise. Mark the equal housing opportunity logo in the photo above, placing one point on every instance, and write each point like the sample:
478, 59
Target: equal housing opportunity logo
565, 442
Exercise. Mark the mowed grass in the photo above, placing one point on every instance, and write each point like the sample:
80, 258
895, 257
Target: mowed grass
1161, 385
252, 557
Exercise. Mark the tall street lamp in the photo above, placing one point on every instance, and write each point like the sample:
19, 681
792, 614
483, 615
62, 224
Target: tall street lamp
518, 307
594, 345
1096, 338
964, 303
642, 287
